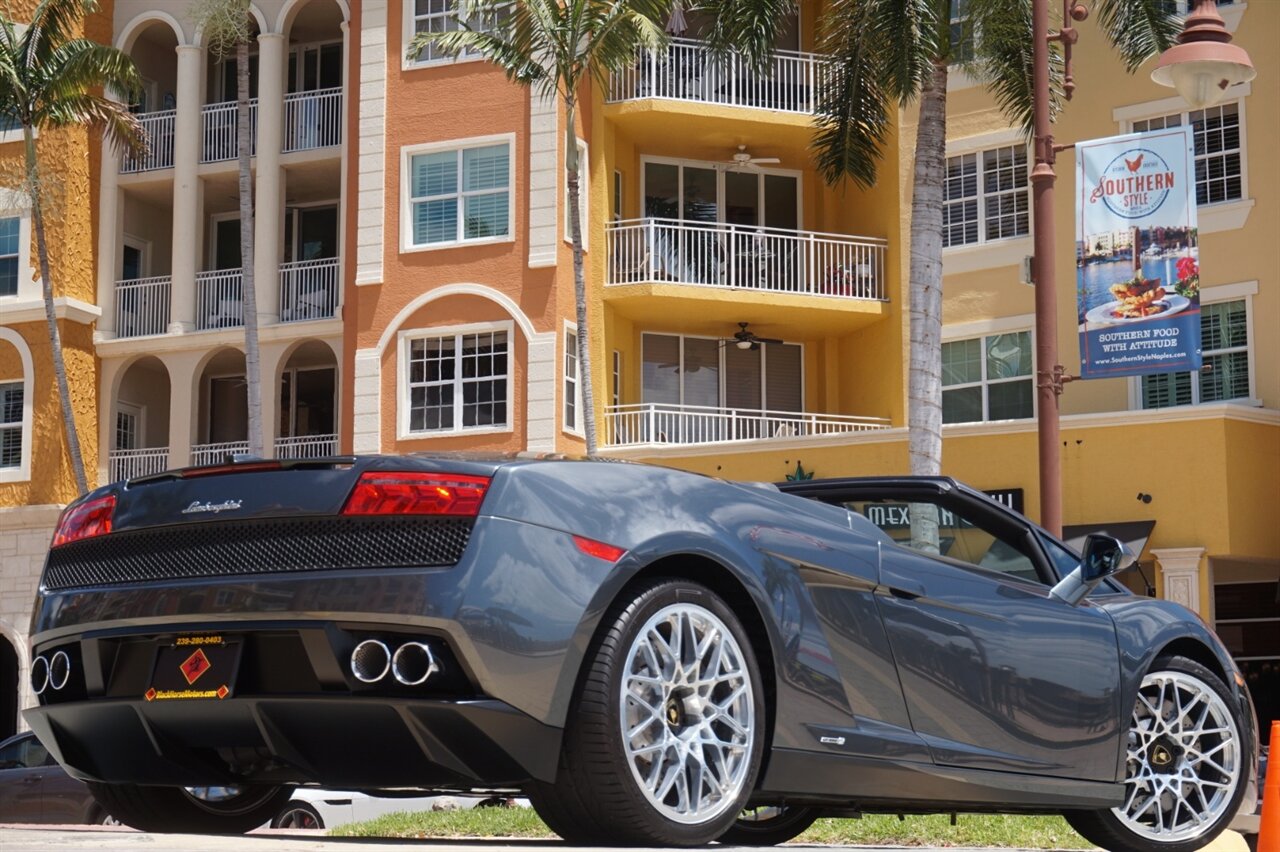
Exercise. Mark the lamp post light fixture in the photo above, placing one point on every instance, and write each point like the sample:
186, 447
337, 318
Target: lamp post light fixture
1201, 67
1204, 62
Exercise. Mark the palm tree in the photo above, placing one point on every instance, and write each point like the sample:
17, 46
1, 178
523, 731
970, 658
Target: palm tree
884, 51
50, 79
227, 30
554, 47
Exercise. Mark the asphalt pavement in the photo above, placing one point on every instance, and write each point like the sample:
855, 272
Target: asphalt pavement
50, 838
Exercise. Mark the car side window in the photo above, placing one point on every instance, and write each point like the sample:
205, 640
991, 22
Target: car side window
958, 535
18, 755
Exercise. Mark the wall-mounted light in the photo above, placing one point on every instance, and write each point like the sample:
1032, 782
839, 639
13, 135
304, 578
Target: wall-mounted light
1144, 497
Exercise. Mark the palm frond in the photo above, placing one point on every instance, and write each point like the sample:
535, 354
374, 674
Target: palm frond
53, 23
119, 126
81, 64
1004, 59
854, 110
910, 33
748, 28
1138, 29
12, 83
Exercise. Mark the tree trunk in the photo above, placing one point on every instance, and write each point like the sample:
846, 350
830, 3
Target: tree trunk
252, 360
585, 372
51, 316
924, 379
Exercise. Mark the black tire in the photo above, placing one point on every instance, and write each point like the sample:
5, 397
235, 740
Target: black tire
297, 815
769, 826
175, 809
1157, 756
599, 797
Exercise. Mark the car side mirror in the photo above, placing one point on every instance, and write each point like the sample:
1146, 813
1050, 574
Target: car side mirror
1103, 557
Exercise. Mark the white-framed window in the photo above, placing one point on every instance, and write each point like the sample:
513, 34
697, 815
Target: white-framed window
962, 39
457, 193
572, 387
1219, 149
988, 378
12, 395
986, 196
455, 380
1226, 374
439, 16
584, 194
10, 254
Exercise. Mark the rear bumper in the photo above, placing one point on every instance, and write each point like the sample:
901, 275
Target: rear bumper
336, 742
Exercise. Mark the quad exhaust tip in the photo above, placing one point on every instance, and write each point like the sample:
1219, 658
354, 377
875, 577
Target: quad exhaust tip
413, 663
50, 672
370, 661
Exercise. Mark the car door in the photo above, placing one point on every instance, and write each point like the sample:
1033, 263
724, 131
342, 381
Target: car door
64, 799
21, 779
997, 675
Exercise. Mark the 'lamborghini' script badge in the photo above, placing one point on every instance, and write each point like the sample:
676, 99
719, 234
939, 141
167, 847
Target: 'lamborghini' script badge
195, 665
197, 507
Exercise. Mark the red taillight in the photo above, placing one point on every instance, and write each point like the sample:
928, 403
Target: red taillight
599, 549
378, 493
85, 521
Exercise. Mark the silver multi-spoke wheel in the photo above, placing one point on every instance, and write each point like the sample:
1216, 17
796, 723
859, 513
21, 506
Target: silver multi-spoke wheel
1183, 759
687, 714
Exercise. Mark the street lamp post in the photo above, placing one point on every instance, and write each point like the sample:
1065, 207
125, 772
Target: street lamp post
1201, 67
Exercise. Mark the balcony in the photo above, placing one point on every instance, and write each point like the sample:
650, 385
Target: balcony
159, 130
312, 120
309, 290
718, 255
128, 464
657, 424
307, 447
218, 131
142, 306
688, 71
219, 299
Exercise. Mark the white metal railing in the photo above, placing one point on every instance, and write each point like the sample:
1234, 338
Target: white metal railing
309, 290
142, 306
219, 299
218, 131
126, 464
687, 71
159, 130
721, 255
661, 423
312, 119
307, 447
205, 454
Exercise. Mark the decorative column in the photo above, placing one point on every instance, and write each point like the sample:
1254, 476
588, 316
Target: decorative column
1180, 569
187, 199
184, 397
269, 195
109, 240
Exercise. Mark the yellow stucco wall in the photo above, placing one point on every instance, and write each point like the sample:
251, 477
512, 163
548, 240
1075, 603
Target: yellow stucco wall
69, 161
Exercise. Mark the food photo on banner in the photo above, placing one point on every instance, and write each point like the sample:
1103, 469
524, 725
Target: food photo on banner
1137, 254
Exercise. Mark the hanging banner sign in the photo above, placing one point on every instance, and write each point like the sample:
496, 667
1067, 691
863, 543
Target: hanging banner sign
1137, 254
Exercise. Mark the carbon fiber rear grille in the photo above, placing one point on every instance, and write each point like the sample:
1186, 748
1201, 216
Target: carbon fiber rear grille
257, 547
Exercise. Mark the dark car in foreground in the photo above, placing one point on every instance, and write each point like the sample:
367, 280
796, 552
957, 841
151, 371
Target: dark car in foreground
653, 657
35, 789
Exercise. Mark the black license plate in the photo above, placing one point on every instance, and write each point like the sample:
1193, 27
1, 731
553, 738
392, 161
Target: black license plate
194, 668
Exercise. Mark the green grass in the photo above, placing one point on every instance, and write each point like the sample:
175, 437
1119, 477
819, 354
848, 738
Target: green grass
873, 830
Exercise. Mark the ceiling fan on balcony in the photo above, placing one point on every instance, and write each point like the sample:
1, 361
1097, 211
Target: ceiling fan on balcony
744, 338
743, 160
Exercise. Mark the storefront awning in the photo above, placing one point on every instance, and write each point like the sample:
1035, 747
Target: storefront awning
1132, 533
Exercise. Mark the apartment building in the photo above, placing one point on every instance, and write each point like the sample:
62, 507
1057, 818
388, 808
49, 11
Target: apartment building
462, 333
